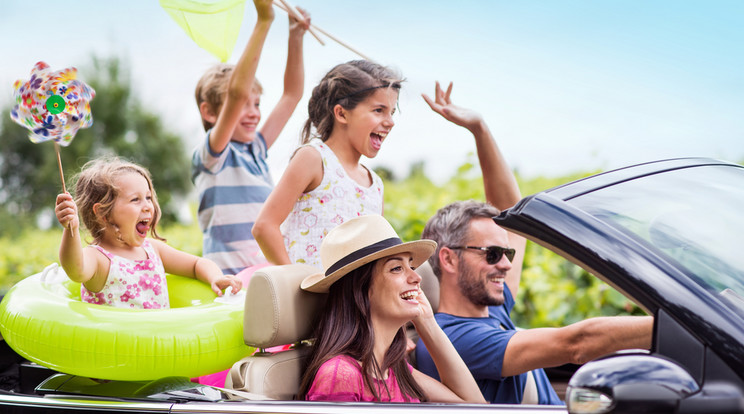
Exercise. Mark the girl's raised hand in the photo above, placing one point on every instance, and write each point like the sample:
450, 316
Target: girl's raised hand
66, 211
298, 26
442, 104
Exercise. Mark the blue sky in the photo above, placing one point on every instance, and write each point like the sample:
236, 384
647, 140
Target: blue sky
564, 85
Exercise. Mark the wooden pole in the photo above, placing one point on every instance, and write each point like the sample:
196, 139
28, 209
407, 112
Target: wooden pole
280, 4
62, 177
59, 164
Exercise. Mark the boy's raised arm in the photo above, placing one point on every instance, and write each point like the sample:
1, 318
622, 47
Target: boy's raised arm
241, 80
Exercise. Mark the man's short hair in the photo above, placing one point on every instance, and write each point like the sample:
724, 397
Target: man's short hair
450, 226
212, 88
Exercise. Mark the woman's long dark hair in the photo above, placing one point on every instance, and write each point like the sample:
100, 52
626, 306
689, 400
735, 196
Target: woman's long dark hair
345, 328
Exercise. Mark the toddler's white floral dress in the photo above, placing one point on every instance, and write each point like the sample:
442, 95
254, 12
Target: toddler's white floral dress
132, 283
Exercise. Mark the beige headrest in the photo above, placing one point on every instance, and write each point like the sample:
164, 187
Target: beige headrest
277, 311
429, 284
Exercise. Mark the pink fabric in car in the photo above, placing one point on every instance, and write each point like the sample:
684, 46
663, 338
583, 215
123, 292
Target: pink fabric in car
340, 379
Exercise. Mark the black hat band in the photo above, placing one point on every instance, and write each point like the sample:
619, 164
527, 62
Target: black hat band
363, 252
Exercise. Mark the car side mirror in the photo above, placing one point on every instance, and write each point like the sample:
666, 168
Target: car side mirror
629, 383
638, 382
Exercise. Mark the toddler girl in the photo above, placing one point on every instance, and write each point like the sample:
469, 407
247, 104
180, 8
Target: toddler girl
122, 267
324, 184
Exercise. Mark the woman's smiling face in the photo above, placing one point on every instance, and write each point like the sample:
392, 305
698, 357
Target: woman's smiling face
394, 290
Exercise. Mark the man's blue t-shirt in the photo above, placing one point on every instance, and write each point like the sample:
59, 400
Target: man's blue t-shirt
481, 342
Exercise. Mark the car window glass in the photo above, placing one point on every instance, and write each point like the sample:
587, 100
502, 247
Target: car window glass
692, 216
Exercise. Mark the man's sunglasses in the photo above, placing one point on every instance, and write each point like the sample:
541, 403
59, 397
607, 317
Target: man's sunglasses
493, 253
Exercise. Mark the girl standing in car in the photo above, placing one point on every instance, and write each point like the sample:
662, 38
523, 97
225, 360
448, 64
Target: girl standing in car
350, 115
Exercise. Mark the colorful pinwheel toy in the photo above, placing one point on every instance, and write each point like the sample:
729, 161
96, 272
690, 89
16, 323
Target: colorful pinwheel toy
53, 106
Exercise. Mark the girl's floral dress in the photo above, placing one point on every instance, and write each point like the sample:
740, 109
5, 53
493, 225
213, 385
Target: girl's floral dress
132, 283
338, 198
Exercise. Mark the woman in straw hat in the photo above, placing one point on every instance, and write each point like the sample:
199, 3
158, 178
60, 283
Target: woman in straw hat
373, 291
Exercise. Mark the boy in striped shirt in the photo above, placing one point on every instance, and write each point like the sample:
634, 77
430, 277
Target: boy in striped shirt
229, 168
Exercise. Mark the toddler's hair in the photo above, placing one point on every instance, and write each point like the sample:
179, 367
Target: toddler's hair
96, 184
212, 88
347, 85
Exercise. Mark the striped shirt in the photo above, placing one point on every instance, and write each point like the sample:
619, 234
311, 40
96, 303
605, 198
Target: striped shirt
233, 186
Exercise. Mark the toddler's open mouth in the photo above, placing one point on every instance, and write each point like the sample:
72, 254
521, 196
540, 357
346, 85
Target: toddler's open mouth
142, 227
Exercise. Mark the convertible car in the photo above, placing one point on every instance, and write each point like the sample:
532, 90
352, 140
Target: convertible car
666, 234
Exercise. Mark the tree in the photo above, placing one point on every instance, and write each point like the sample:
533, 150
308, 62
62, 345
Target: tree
29, 178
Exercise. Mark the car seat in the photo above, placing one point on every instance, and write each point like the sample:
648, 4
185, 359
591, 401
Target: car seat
429, 284
277, 312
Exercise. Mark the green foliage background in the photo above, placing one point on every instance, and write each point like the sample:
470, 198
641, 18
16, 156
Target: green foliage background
554, 292
29, 177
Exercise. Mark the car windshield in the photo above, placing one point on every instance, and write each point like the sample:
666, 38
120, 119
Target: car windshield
693, 216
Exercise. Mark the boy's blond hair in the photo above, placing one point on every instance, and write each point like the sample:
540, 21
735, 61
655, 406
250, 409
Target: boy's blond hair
212, 88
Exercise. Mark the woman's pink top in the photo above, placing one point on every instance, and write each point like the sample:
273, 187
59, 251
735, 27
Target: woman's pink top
340, 379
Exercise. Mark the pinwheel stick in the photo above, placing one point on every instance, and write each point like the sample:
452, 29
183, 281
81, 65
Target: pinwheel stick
62, 177
280, 4
59, 164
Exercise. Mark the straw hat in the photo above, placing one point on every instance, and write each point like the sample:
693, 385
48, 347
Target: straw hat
357, 242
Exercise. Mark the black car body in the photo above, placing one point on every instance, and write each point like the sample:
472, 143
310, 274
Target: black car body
668, 235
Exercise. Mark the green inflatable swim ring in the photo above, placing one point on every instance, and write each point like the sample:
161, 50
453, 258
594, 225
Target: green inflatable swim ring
43, 320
